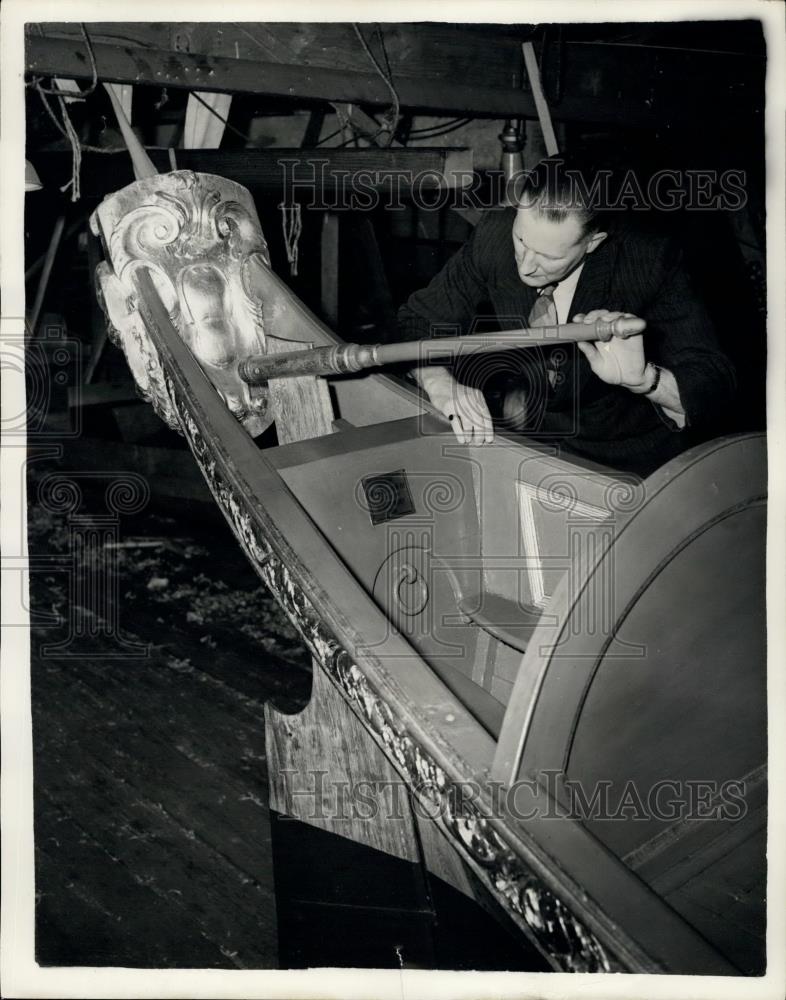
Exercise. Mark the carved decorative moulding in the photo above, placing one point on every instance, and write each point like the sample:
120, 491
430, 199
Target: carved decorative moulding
562, 934
200, 238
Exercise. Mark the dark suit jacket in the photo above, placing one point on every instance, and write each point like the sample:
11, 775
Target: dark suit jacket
631, 272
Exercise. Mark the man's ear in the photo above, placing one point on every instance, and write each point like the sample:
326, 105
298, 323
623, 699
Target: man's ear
595, 241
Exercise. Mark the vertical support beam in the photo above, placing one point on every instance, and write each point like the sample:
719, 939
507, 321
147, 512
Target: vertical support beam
204, 129
544, 115
98, 321
329, 246
378, 293
313, 129
43, 284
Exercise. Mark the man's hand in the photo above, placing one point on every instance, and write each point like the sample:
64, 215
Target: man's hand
619, 361
464, 406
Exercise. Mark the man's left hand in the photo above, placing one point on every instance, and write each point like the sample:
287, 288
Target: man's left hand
619, 361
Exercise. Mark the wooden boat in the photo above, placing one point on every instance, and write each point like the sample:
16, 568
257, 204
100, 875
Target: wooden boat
564, 665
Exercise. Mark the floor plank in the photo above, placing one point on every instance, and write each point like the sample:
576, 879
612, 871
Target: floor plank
151, 816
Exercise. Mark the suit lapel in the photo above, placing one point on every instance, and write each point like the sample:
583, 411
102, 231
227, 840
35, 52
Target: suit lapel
594, 284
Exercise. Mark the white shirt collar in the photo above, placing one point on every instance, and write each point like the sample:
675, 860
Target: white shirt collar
564, 292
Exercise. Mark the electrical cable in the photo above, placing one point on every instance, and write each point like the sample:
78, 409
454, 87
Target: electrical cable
442, 125
221, 118
327, 138
440, 132
395, 111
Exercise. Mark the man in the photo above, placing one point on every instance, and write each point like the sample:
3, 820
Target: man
630, 404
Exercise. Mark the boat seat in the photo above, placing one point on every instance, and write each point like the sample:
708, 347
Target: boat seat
503, 619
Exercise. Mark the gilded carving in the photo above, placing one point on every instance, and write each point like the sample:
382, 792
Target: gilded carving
200, 238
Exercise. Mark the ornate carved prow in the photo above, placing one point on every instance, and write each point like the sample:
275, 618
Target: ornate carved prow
200, 239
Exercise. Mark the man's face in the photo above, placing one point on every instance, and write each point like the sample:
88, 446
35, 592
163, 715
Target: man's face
546, 251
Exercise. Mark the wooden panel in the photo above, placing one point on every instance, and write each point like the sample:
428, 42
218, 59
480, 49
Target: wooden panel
668, 715
682, 499
433, 549
726, 901
505, 620
552, 505
440, 858
501, 689
323, 754
302, 405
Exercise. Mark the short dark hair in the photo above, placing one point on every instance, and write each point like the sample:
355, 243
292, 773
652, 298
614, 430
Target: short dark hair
557, 187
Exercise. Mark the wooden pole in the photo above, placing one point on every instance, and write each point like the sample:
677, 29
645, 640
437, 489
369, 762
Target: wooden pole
43, 283
328, 246
36, 266
544, 115
143, 165
341, 359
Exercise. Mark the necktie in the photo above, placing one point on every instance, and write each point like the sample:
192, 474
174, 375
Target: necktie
521, 401
544, 310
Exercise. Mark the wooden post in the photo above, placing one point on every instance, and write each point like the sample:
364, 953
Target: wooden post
329, 249
544, 115
43, 282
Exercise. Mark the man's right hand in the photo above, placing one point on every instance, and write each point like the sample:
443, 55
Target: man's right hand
464, 406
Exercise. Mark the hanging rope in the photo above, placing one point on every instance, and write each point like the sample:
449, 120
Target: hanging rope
393, 115
292, 227
36, 81
76, 154
68, 131
86, 147
65, 126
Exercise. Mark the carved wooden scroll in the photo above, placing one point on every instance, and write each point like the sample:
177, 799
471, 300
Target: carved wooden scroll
200, 238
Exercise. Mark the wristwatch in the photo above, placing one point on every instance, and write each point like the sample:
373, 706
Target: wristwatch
655, 381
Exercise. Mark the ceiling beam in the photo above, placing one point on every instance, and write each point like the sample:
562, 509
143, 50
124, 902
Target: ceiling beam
134, 64
337, 177
603, 85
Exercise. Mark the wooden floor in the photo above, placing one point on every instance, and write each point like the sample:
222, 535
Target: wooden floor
151, 824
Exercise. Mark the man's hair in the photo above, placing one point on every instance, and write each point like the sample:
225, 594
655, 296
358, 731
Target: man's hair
558, 187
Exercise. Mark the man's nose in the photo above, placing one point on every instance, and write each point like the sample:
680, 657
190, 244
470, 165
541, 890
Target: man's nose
527, 262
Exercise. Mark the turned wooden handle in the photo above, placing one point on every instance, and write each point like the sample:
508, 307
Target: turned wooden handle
341, 359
